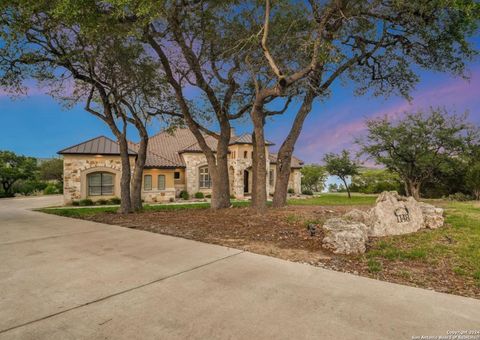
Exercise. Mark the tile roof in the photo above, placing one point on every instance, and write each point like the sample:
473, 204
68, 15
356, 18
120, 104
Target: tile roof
164, 149
96, 146
295, 163
246, 138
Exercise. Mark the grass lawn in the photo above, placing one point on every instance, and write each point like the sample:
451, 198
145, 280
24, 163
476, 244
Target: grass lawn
336, 199
446, 259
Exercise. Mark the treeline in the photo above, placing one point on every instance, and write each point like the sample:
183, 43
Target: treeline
21, 175
428, 154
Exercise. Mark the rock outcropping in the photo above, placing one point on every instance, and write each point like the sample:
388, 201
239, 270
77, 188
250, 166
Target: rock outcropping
343, 237
392, 215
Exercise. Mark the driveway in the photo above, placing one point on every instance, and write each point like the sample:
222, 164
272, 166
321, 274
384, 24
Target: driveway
63, 278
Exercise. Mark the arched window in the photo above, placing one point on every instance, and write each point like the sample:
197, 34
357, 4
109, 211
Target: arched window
204, 177
100, 184
245, 154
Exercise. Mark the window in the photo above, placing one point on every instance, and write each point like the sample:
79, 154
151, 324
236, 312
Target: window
147, 182
100, 184
161, 182
245, 154
204, 176
176, 175
272, 178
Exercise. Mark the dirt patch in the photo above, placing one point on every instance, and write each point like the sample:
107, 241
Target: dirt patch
283, 233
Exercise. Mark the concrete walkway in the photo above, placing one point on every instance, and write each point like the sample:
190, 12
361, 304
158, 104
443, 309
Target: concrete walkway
62, 278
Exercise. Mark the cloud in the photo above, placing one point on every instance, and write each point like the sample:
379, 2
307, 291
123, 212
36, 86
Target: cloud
337, 128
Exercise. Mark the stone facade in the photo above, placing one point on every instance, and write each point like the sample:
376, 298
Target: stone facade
77, 167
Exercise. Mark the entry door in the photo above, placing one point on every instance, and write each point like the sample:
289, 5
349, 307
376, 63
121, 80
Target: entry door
245, 181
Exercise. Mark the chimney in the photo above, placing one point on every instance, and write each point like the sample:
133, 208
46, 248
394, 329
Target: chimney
232, 132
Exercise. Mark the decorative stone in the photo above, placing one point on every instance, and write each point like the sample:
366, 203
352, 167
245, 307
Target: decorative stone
395, 215
357, 215
344, 237
432, 216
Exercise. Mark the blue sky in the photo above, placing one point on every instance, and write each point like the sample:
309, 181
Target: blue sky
36, 125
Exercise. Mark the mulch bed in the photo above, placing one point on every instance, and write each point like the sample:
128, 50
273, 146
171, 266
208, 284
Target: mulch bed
283, 233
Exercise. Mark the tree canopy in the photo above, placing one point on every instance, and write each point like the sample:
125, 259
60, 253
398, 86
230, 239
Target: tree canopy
14, 168
313, 177
342, 166
419, 146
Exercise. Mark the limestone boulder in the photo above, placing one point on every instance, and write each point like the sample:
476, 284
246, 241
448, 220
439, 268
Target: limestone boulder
395, 215
357, 215
432, 216
345, 237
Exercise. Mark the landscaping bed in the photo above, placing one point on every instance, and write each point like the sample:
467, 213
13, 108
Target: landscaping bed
446, 259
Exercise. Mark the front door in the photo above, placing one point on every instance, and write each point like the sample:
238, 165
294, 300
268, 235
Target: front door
245, 181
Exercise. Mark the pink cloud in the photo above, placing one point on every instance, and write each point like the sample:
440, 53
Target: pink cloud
339, 129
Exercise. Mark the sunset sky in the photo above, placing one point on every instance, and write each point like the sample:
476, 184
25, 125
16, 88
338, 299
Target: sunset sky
37, 125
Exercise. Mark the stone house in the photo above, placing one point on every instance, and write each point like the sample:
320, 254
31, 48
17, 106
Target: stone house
175, 162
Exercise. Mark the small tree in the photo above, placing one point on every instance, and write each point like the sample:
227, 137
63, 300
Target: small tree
313, 177
341, 166
51, 170
473, 179
14, 168
418, 147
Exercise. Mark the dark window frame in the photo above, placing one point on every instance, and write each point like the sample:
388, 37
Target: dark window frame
103, 191
204, 179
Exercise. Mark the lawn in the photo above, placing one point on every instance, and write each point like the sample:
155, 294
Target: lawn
445, 259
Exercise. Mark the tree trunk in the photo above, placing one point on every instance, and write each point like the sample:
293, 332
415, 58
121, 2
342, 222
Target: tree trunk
346, 187
284, 159
220, 178
136, 194
259, 166
125, 204
414, 189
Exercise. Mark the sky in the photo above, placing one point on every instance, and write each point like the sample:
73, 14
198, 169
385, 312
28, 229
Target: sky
36, 125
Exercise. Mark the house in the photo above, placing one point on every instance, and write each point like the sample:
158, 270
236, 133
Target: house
175, 162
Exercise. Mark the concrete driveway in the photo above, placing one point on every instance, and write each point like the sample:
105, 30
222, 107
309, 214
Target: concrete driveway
62, 278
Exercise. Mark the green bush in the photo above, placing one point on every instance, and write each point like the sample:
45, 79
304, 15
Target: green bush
51, 189
114, 200
85, 202
29, 187
199, 195
102, 202
171, 199
291, 191
184, 195
75, 203
208, 196
307, 192
459, 196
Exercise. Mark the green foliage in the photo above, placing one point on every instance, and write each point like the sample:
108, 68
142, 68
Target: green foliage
101, 202
115, 200
75, 203
199, 195
459, 197
51, 189
375, 181
341, 166
14, 168
29, 187
307, 192
472, 179
419, 147
51, 170
86, 202
313, 177
184, 195
374, 266
291, 191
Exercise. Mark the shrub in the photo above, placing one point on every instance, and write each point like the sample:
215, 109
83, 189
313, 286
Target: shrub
291, 191
459, 196
184, 195
199, 195
85, 202
75, 203
29, 187
102, 202
114, 200
307, 192
51, 189
208, 196
171, 199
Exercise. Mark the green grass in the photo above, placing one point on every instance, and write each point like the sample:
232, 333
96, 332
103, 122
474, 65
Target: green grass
84, 212
336, 199
456, 244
